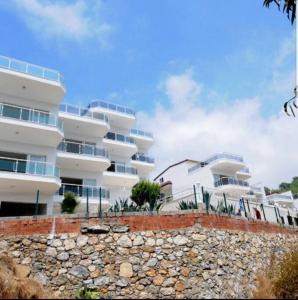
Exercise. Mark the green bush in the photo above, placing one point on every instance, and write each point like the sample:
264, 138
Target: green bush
87, 293
123, 205
145, 194
69, 203
185, 205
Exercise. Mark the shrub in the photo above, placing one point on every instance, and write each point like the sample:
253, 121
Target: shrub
87, 293
281, 279
123, 205
222, 209
146, 192
69, 203
185, 205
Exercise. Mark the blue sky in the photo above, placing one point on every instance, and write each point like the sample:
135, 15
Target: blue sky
221, 57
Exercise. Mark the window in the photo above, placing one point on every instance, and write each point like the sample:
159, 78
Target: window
161, 180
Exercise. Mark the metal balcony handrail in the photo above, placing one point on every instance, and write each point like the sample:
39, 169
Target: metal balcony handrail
232, 181
224, 155
30, 167
143, 158
30, 69
30, 115
82, 112
82, 149
119, 137
122, 168
141, 132
112, 106
83, 190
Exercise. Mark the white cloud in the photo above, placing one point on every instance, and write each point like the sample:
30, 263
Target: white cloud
269, 145
76, 20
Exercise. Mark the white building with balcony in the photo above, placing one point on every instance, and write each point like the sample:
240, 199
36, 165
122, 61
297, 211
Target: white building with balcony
220, 173
48, 148
283, 200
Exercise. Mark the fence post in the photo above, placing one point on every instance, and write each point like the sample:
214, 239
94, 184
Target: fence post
245, 213
87, 204
202, 189
262, 207
225, 199
100, 212
36, 203
276, 215
195, 194
247, 202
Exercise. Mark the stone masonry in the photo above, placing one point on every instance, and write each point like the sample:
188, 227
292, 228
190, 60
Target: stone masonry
195, 262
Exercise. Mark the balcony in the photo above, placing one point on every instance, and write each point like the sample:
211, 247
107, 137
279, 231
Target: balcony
120, 144
143, 139
121, 175
243, 174
226, 162
84, 122
257, 190
143, 163
25, 80
29, 125
232, 186
119, 116
24, 176
82, 157
82, 190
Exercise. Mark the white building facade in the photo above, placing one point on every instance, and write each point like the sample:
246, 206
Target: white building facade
48, 148
227, 178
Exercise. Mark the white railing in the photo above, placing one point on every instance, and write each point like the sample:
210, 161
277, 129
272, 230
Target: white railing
84, 190
122, 168
113, 107
28, 167
30, 115
82, 149
119, 138
232, 181
82, 112
225, 155
30, 69
141, 133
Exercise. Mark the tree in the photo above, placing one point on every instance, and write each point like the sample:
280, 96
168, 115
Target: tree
284, 186
145, 192
69, 203
289, 7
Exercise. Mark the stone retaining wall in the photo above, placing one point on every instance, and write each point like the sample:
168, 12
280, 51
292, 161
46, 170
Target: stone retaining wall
188, 263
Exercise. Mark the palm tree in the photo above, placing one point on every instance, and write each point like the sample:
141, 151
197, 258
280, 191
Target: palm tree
289, 7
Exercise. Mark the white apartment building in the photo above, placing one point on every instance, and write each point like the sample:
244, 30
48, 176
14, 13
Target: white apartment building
221, 174
48, 148
283, 200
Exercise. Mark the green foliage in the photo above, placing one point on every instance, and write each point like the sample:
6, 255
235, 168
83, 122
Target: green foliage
289, 7
221, 208
86, 293
146, 193
69, 203
123, 205
284, 187
185, 205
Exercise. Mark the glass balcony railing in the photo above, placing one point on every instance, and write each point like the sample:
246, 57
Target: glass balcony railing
30, 115
82, 112
141, 133
84, 190
256, 189
113, 107
244, 170
224, 156
122, 168
30, 69
232, 181
28, 167
143, 158
119, 138
82, 149
279, 197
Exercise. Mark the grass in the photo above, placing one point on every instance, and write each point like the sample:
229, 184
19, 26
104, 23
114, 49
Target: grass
281, 279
